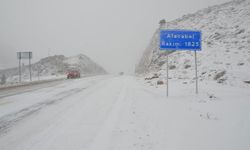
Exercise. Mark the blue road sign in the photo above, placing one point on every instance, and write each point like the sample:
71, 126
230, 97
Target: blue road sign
180, 40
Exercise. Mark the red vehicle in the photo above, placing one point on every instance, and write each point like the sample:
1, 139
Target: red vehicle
73, 74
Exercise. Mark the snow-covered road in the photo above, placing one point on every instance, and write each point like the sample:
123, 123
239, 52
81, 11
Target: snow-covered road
121, 113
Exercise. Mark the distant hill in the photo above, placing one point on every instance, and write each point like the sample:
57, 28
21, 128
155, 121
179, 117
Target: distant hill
55, 66
225, 55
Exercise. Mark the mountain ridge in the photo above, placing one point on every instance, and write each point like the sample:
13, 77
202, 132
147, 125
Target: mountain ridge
54, 66
225, 40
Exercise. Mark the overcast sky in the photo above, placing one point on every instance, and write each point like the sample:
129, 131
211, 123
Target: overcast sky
114, 33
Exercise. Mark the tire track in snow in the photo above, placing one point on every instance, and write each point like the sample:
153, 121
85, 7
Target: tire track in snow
102, 140
8, 121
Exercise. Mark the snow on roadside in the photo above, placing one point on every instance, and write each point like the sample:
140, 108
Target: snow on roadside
42, 79
216, 118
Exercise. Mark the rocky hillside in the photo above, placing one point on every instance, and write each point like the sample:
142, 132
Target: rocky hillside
55, 66
225, 55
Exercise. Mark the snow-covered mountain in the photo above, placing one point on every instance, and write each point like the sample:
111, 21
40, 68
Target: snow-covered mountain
225, 55
55, 66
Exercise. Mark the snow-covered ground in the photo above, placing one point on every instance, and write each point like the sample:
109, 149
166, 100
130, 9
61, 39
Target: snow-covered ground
125, 112
39, 80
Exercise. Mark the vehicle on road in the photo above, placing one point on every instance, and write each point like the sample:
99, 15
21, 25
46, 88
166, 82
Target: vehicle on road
73, 74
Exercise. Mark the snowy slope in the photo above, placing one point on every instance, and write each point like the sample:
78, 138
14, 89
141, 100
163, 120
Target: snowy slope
225, 46
55, 66
84, 64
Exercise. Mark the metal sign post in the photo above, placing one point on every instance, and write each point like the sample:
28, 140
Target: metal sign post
196, 76
24, 55
174, 40
19, 68
167, 77
30, 55
162, 27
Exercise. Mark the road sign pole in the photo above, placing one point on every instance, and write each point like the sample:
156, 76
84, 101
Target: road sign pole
30, 66
196, 76
24, 55
20, 69
181, 40
167, 77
